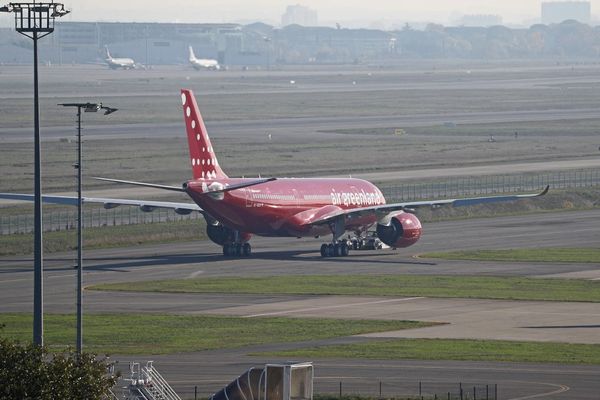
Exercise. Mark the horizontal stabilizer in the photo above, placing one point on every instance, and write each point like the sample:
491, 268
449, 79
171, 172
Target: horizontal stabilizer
241, 185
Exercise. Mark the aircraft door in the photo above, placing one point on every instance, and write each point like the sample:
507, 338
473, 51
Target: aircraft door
248, 192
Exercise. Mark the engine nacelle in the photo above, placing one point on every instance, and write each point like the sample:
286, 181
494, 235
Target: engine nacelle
220, 234
404, 230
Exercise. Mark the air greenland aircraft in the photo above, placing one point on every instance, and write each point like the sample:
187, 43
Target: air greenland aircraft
202, 63
114, 63
237, 208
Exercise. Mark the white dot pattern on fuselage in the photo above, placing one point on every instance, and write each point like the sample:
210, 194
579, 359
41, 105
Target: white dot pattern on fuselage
183, 98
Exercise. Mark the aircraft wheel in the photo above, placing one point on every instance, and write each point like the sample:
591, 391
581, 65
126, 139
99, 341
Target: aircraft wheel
336, 250
344, 249
354, 244
237, 249
246, 250
324, 250
226, 251
330, 250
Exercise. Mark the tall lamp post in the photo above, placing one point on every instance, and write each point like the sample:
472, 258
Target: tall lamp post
86, 107
36, 20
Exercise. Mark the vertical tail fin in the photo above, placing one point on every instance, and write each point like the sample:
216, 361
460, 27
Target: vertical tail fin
107, 52
192, 55
202, 155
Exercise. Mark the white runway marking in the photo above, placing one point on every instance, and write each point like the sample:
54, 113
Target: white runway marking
195, 274
330, 307
561, 389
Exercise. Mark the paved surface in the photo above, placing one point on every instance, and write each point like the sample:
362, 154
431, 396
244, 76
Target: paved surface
578, 322
294, 126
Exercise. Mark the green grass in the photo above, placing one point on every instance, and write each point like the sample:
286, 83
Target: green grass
514, 288
554, 254
453, 349
105, 237
165, 334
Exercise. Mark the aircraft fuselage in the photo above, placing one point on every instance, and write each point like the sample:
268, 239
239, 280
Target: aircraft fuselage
283, 207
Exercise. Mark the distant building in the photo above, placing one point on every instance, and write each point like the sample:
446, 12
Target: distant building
480, 20
559, 11
299, 15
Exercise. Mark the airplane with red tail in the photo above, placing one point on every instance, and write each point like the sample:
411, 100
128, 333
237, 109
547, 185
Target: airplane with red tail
237, 208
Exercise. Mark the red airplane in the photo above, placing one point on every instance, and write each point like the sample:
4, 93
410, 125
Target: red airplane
236, 208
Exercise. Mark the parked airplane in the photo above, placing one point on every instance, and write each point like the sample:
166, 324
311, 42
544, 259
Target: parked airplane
203, 63
237, 208
114, 63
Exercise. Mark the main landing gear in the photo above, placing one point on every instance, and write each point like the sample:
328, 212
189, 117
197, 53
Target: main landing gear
337, 249
237, 249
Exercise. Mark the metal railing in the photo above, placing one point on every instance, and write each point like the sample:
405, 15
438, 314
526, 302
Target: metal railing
147, 383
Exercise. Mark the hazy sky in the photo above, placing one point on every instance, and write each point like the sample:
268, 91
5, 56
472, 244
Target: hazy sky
443, 11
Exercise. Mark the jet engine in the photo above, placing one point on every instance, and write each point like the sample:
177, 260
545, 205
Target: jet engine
404, 230
220, 235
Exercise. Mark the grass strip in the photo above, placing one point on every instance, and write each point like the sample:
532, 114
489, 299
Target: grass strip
454, 349
106, 237
481, 287
554, 254
165, 334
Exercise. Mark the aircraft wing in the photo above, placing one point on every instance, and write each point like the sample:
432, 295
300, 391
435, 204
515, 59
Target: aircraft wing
383, 211
179, 208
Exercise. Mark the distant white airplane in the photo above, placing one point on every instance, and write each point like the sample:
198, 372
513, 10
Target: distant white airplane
114, 63
203, 63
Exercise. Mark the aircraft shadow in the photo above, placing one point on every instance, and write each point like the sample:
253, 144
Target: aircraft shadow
116, 263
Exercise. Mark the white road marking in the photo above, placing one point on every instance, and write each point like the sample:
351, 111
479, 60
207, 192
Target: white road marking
561, 389
331, 307
195, 274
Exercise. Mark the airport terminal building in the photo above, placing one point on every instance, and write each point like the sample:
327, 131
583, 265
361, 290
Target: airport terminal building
167, 43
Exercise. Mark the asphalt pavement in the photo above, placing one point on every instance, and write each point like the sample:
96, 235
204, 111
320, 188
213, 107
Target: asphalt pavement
544, 321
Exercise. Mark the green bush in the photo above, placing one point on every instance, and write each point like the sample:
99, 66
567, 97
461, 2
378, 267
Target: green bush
28, 371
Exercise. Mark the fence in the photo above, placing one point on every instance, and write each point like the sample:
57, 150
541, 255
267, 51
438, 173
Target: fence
411, 191
403, 389
92, 217
491, 184
429, 390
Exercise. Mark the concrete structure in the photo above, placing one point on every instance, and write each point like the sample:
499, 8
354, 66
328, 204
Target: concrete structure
559, 11
480, 20
299, 15
146, 43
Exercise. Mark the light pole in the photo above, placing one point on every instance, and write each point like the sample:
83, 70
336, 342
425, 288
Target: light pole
36, 20
87, 107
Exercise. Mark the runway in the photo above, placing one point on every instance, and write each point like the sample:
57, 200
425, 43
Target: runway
487, 319
307, 127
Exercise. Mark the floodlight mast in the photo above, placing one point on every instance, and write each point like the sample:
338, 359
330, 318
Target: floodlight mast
86, 107
36, 20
